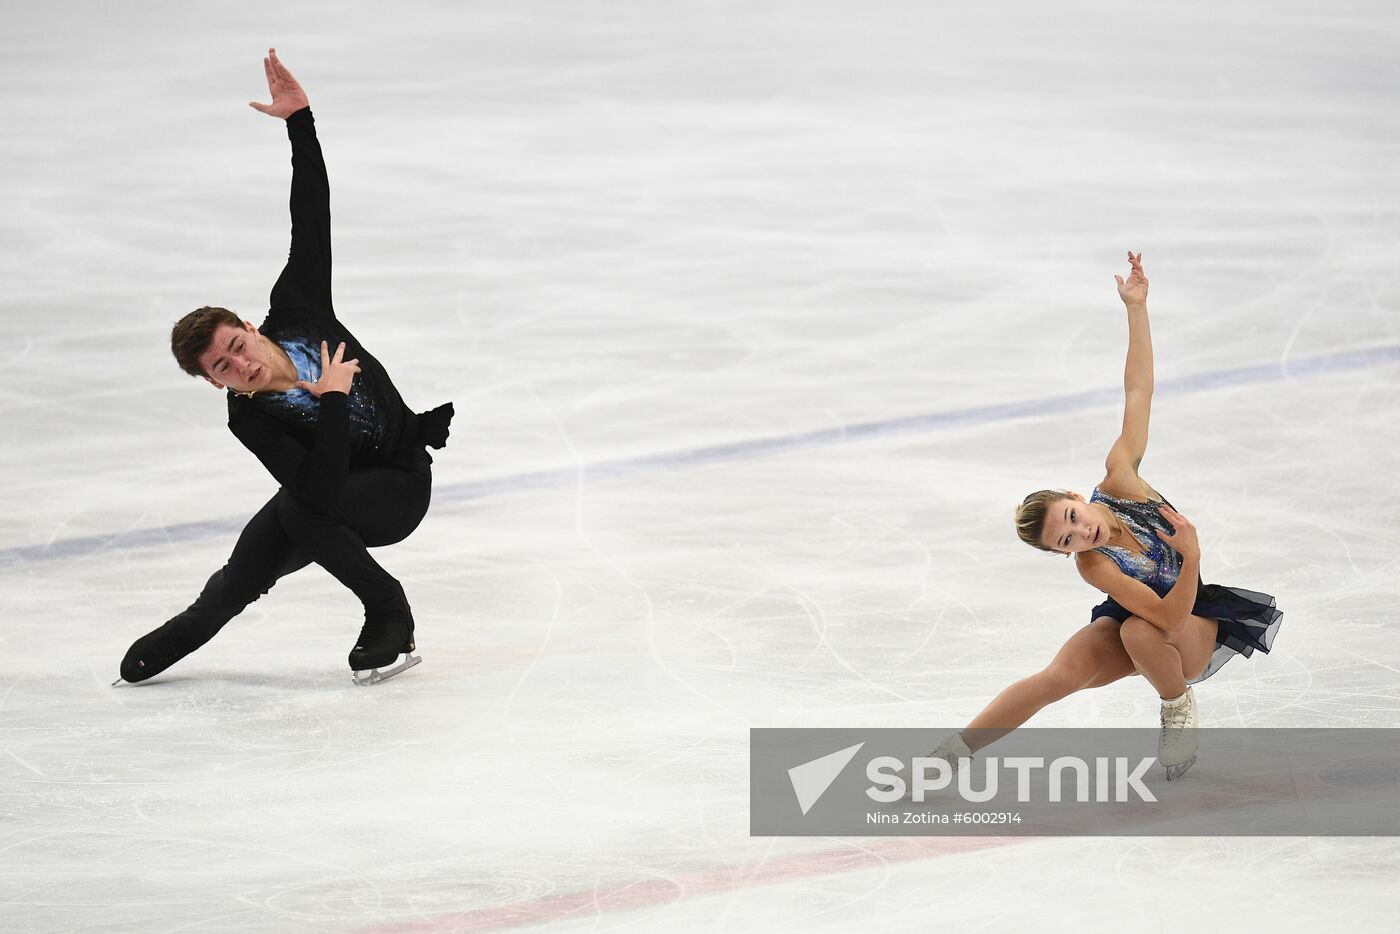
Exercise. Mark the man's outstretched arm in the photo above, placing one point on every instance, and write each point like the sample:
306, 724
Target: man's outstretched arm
306, 282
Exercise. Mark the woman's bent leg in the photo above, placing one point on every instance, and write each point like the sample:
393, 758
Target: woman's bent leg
1168, 659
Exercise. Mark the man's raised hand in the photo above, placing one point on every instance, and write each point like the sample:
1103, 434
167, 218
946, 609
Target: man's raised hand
336, 375
287, 95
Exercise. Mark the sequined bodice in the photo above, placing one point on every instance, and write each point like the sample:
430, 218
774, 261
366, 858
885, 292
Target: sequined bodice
1160, 565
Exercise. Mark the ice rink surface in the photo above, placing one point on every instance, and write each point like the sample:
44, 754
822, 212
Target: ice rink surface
759, 319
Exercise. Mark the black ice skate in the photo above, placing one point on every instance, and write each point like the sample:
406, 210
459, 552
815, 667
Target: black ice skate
158, 650
381, 643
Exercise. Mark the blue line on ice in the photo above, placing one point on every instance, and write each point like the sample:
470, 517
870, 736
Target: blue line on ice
62, 548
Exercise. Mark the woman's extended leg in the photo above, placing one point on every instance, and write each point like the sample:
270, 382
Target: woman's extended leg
1092, 657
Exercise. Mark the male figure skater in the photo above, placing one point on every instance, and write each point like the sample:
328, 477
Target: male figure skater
324, 418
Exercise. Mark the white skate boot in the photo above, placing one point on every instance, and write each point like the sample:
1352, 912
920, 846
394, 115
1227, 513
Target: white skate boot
952, 750
1176, 746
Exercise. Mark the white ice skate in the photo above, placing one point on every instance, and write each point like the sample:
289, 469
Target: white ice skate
952, 750
369, 676
1176, 746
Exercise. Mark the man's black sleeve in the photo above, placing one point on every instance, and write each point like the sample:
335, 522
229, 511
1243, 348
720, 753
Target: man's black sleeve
304, 288
316, 477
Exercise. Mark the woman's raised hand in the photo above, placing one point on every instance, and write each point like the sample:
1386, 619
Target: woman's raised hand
1183, 537
1133, 291
287, 95
336, 374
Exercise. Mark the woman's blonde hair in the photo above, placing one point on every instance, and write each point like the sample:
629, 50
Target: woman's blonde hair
1030, 516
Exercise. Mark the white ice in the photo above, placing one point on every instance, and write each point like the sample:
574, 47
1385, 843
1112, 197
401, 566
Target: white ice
624, 232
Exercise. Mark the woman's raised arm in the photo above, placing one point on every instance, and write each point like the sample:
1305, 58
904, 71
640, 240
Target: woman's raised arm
1126, 454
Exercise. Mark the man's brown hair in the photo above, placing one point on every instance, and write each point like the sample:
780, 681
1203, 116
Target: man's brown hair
190, 336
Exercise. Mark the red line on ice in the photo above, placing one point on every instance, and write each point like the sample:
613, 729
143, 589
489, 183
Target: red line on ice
639, 894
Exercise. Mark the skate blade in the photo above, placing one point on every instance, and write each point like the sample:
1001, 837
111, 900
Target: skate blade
376, 675
1176, 771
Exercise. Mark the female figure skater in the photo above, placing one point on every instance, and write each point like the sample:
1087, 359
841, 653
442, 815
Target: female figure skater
348, 453
1159, 620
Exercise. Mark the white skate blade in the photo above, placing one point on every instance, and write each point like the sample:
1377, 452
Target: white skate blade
376, 675
1176, 771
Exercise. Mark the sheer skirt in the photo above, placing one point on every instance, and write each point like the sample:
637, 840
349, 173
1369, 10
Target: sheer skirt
1248, 620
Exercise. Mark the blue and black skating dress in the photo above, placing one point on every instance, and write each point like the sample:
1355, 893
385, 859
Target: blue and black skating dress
1248, 619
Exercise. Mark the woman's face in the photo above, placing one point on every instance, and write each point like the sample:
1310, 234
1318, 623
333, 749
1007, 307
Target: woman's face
1072, 525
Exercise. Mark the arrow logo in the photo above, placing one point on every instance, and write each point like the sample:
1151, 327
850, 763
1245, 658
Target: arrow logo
810, 780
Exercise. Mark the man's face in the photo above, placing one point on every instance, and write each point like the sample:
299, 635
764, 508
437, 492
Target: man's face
237, 359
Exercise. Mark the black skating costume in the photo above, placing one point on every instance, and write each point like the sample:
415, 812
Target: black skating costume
352, 468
